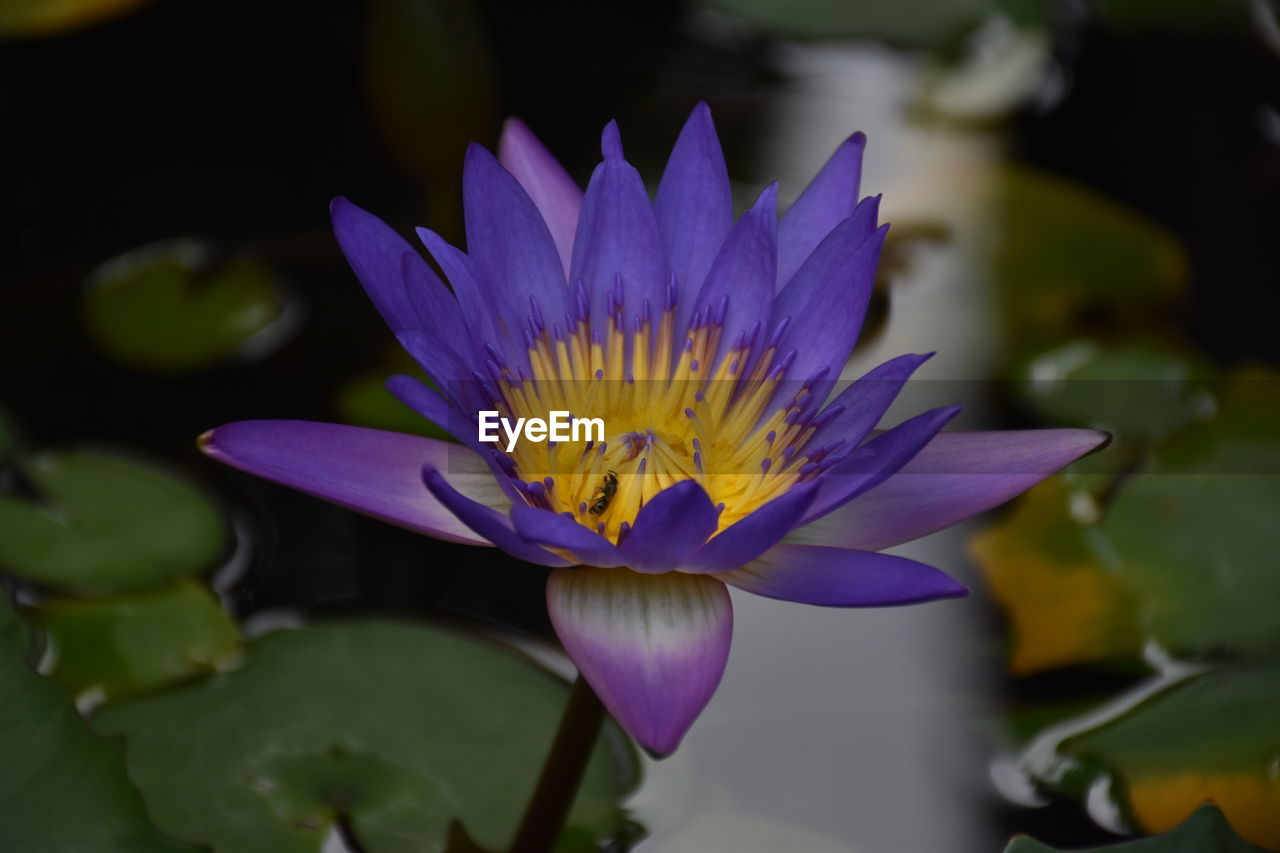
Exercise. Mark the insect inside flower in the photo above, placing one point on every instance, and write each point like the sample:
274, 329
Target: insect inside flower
604, 493
712, 348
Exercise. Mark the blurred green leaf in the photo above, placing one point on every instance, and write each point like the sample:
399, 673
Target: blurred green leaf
121, 646
63, 788
1214, 736
430, 79
26, 18
1206, 831
366, 401
1137, 392
1182, 564
1196, 16
1195, 533
169, 308
1068, 262
397, 729
1063, 606
105, 523
1184, 553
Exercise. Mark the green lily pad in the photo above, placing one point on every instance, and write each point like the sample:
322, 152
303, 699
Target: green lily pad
63, 789
1206, 831
169, 308
105, 523
1041, 564
395, 729
1066, 259
1212, 737
1195, 533
1137, 392
121, 646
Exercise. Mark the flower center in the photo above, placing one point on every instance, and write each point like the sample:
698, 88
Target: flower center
722, 416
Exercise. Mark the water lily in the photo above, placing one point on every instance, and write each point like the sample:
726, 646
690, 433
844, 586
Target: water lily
712, 350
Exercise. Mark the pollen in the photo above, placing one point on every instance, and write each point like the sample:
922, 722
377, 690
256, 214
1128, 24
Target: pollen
688, 407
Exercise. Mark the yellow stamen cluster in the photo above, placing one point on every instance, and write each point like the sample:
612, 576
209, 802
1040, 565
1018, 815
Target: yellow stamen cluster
669, 415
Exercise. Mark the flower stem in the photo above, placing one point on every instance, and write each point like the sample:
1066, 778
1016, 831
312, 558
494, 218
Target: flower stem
562, 773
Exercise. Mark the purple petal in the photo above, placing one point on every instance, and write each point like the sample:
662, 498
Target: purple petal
367, 470
556, 195
428, 403
694, 204
840, 577
560, 531
877, 460
653, 647
441, 317
617, 240
448, 370
494, 526
405, 291
828, 200
743, 271
670, 527
477, 310
866, 400
509, 244
957, 475
749, 537
826, 301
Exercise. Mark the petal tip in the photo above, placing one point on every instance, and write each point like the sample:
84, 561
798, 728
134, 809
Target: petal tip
204, 442
477, 156
611, 141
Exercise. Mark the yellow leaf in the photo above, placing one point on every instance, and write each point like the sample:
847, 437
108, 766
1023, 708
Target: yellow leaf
1064, 608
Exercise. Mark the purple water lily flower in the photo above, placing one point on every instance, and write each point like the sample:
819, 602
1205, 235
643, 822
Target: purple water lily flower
710, 348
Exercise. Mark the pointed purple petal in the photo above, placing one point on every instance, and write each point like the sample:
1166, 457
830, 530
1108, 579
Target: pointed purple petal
437, 308
827, 300
694, 204
494, 526
381, 258
559, 531
877, 460
670, 527
828, 200
557, 196
618, 238
866, 400
957, 475
428, 403
477, 310
367, 470
448, 370
653, 647
743, 272
510, 246
840, 577
748, 538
